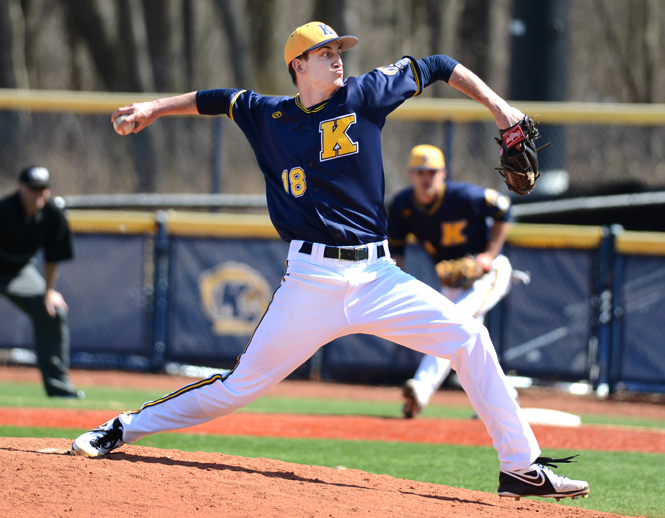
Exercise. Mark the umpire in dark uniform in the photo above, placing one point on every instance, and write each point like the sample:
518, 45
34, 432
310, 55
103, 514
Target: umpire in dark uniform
31, 221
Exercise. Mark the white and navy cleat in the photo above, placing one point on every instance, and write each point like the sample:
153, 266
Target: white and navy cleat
100, 441
538, 480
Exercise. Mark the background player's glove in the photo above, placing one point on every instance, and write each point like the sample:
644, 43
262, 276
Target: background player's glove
459, 273
519, 156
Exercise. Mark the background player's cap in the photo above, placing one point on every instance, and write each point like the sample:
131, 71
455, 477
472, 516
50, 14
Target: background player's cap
35, 177
313, 35
426, 157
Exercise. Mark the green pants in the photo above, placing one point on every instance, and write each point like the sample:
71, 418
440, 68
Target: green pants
26, 290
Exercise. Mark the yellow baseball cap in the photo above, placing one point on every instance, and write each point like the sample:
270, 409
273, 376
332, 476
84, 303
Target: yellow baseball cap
426, 157
311, 36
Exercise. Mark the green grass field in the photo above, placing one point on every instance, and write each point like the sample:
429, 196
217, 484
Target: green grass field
630, 484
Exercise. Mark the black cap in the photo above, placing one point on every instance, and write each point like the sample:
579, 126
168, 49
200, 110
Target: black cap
35, 177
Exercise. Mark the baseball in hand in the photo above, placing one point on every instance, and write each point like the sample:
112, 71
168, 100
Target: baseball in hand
125, 130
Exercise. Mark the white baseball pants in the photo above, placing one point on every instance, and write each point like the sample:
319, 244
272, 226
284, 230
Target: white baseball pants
476, 301
322, 299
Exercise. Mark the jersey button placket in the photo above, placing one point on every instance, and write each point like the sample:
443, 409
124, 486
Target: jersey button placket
309, 126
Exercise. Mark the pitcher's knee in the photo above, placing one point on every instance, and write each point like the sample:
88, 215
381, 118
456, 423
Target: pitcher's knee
477, 344
476, 331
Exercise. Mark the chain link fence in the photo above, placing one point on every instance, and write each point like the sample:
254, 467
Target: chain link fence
196, 154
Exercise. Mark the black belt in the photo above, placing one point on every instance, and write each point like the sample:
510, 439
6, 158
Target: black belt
358, 253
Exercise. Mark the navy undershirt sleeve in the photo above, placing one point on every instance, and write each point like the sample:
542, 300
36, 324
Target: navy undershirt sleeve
436, 68
214, 102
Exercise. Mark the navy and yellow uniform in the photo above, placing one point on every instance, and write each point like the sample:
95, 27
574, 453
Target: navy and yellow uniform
325, 190
312, 157
456, 224
453, 226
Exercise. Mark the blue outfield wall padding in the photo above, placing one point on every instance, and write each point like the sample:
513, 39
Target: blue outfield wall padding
365, 358
218, 288
546, 327
642, 326
104, 289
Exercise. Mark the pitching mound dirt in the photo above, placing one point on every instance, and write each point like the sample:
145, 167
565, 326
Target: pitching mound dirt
40, 477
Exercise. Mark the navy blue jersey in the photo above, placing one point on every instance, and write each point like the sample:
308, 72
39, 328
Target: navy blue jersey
453, 226
322, 164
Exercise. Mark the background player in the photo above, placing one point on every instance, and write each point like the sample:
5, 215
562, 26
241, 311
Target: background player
320, 153
449, 220
30, 221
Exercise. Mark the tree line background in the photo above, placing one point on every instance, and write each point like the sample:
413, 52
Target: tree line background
615, 48
614, 52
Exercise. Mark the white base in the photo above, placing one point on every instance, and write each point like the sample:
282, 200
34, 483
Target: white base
550, 417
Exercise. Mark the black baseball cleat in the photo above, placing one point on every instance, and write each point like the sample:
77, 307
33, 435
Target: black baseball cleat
538, 480
100, 441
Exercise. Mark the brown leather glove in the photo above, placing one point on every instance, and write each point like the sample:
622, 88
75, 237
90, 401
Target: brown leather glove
459, 273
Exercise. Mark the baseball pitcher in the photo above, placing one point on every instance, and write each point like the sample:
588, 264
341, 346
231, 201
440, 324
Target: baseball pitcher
320, 153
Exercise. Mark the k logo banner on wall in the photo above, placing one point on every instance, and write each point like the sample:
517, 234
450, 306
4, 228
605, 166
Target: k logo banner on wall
233, 297
219, 290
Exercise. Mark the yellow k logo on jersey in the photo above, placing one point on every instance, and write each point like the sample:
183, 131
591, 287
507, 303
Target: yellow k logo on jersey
452, 233
334, 140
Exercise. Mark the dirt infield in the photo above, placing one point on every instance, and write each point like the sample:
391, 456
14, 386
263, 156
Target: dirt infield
40, 478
